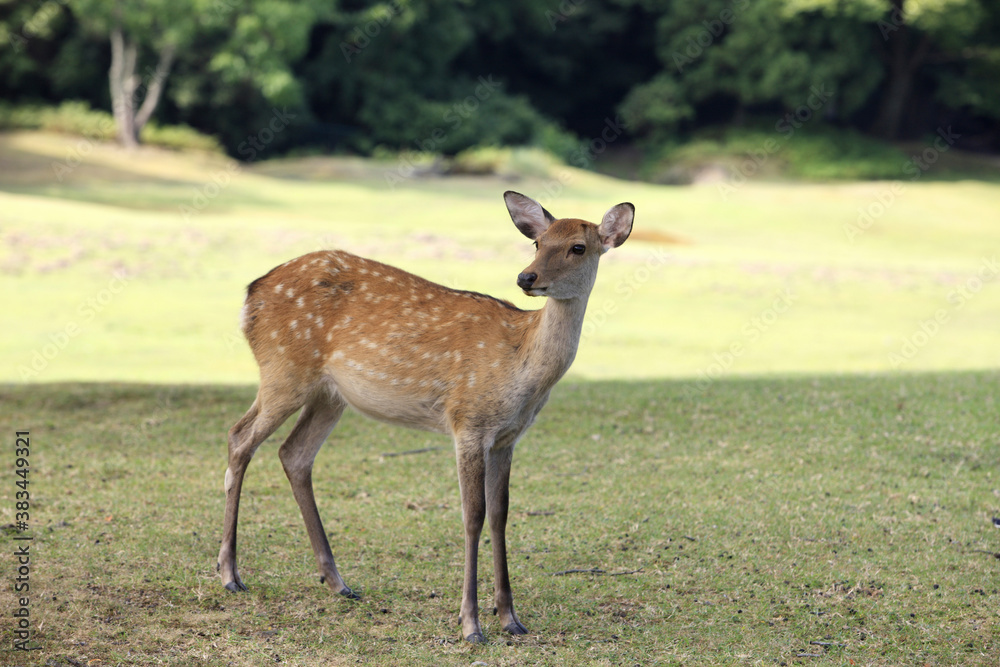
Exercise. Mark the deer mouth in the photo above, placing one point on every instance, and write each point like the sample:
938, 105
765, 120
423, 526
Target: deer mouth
535, 291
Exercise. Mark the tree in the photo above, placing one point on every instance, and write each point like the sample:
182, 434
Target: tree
135, 29
252, 43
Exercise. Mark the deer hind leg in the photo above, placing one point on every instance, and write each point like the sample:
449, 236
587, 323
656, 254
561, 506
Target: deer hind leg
471, 484
498, 461
297, 455
260, 421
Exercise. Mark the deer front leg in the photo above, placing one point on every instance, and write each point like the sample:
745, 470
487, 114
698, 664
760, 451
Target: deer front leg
470, 481
498, 462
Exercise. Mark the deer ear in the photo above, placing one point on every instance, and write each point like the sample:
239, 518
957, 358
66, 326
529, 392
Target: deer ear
528, 215
616, 225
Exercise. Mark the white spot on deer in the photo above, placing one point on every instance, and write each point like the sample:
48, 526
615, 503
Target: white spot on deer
315, 354
329, 336
293, 324
277, 288
301, 302
274, 334
480, 345
289, 292
472, 380
281, 349
308, 334
309, 316
339, 354
319, 321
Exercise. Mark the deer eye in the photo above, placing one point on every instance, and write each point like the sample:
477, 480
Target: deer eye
578, 249
535, 243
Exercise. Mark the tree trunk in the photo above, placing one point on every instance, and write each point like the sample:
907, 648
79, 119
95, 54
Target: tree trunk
125, 85
902, 63
121, 76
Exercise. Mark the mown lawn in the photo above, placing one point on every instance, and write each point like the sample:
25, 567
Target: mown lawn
134, 267
778, 444
826, 520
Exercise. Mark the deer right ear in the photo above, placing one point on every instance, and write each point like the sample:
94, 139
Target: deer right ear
528, 215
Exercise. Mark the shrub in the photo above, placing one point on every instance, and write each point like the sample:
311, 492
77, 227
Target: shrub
77, 118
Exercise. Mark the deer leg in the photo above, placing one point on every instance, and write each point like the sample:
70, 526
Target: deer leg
498, 462
297, 455
470, 481
244, 439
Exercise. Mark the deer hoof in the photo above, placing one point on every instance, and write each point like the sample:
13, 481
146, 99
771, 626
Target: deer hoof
349, 594
476, 638
236, 586
516, 628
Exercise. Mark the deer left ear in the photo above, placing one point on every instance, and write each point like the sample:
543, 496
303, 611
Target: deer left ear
616, 226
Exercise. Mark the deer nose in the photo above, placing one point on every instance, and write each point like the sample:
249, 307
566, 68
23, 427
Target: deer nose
526, 280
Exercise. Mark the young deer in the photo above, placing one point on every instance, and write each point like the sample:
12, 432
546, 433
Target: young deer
330, 329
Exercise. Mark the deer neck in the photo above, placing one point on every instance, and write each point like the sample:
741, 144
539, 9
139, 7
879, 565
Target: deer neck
554, 342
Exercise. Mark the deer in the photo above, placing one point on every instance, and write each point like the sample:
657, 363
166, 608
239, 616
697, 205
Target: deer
330, 330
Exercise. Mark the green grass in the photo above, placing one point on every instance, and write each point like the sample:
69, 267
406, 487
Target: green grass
701, 268
735, 432
756, 517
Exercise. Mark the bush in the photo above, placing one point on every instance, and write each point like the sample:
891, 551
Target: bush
68, 118
77, 118
179, 137
506, 162
817, 152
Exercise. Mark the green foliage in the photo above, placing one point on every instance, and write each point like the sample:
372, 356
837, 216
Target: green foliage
504, 162
408, 74
818, 153
179, 137
77, 118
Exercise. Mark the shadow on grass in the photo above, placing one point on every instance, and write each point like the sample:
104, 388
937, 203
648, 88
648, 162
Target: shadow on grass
760, 519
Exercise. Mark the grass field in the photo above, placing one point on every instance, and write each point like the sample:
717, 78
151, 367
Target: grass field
753, 520
778, 444
701, 274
